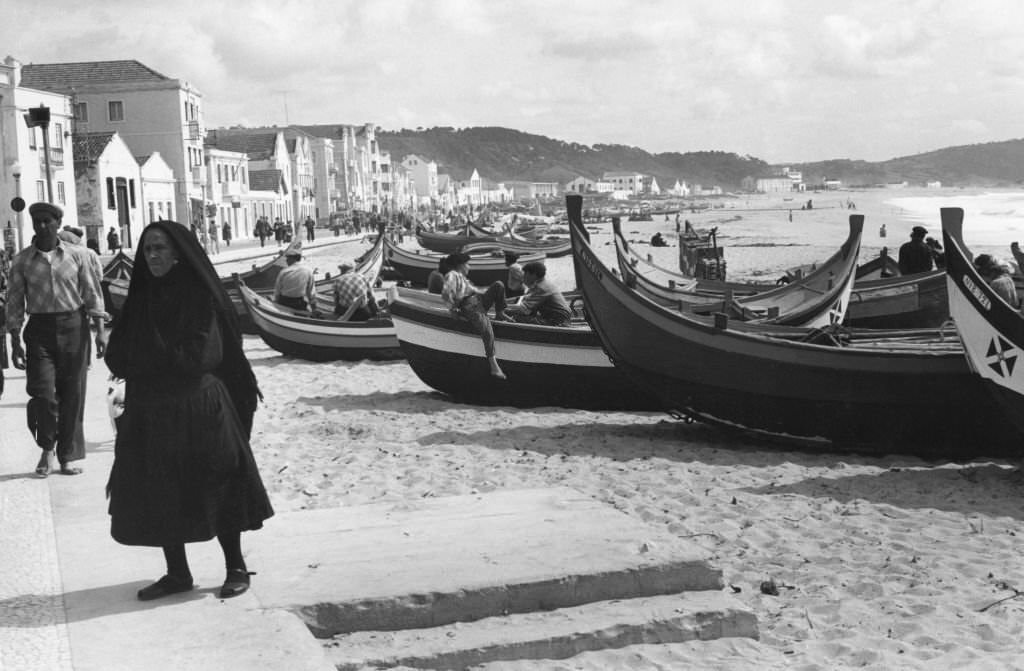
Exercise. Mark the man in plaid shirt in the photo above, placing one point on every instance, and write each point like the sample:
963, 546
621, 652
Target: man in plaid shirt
352, 289
58, 286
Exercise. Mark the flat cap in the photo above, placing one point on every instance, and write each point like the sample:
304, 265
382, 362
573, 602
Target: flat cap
45, 208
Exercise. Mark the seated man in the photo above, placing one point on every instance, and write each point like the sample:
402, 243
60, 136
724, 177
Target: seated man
294, 285
352, 289
542, 303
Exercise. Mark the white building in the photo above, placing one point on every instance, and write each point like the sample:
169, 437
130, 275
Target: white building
108, 186
150, 111
158, 186
23, 159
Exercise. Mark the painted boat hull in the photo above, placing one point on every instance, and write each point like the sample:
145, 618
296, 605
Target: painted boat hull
415, 268
312, 339
879, 400
545, 366
992, 331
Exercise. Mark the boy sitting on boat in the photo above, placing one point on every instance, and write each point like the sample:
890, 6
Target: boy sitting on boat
543, 303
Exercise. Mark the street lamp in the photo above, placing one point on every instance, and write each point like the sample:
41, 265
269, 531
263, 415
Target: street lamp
18, 204
40, 116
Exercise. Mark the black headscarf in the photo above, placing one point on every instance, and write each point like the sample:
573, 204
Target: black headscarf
234, 370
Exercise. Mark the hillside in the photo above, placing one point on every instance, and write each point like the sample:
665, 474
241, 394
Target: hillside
503, 154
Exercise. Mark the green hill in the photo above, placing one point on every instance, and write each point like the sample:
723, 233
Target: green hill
503, 154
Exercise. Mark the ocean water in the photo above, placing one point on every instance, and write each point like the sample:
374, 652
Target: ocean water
765, 236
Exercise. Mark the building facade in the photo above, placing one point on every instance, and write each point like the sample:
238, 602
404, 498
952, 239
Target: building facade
108, 186
27, 170
150, 111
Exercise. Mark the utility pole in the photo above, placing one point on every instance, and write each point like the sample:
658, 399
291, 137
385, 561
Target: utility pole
284, 94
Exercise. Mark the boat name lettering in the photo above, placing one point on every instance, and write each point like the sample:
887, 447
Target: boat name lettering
591, 263
978, 294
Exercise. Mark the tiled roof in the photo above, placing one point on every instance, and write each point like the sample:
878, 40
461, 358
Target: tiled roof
89, 146
265, 180
65, 76
257, 144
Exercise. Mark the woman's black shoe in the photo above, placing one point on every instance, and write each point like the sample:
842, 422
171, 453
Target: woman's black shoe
165, 586
236, 582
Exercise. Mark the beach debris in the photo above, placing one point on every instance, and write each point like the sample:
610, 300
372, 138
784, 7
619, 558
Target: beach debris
1016, 593
769, 587
281, 470
645, 548
311, 491
736, 589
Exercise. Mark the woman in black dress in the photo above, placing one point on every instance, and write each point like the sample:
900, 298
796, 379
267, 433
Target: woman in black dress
183, 469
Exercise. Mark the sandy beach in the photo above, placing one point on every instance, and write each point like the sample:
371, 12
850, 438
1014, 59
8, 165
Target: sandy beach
882, 563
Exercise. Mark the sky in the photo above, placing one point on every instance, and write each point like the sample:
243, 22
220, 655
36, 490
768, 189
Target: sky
783, 81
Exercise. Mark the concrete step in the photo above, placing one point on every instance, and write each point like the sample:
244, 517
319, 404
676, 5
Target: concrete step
557, 634
432, 562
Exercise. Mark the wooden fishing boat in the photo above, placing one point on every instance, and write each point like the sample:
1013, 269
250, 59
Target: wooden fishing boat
120, 266
905, 391
415, 267
449, 243
895, 301
991, 329
817, 299
300, 335
549, 248
545, 365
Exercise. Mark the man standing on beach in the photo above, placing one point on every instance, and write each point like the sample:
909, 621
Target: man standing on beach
915, 255
56, 286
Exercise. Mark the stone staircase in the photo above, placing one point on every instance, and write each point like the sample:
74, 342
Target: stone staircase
450, 582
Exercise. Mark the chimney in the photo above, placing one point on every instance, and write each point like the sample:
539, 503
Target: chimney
13, 66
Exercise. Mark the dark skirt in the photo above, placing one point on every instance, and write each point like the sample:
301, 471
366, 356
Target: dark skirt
183, 469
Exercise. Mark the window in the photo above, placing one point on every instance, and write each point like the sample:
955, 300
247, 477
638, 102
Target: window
188, 115
218, 173
60, 194
32, 138
82, 112
131, 193
111, 202
40, 190
243, 175
152, 213
58, 136
115, 110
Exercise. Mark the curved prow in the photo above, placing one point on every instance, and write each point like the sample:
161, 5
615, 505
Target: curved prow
953, 224
852, 243
574, 212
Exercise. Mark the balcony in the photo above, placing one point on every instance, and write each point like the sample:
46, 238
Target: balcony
56, 158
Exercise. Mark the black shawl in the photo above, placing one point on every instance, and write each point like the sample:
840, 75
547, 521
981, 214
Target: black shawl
196, 274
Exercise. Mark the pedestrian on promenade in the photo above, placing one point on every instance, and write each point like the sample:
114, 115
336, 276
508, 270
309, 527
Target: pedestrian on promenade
310, 229
183, 467
113, 240
214, 232
225, 232
58, 286
278, 231
262, 230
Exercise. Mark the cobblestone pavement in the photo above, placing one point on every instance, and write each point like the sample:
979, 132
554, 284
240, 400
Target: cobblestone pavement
33, 630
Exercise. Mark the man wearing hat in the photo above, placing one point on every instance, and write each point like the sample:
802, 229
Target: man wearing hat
56, 285
352, 292
915, 255
294, 285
